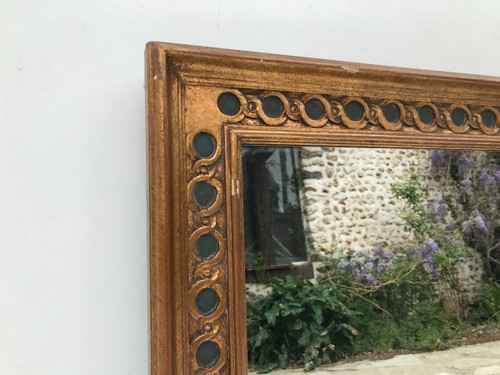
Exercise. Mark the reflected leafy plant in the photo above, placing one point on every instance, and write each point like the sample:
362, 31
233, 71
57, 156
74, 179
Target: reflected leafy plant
298, 322
488, 307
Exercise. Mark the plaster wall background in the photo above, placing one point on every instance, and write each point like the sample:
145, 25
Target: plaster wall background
73, 258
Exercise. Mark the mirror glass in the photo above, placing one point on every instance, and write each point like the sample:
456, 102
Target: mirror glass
368, 253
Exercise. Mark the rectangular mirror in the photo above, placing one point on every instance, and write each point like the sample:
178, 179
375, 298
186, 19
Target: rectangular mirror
405, 247
208, 109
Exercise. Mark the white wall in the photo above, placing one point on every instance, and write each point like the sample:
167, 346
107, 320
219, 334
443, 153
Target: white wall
73, 258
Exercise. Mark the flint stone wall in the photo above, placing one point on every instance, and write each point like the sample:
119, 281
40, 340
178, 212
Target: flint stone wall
347, 204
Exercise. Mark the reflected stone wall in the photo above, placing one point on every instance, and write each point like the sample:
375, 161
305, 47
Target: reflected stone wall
347, 204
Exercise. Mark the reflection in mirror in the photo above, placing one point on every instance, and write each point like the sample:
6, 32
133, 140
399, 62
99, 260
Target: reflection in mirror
351, 251
274, 231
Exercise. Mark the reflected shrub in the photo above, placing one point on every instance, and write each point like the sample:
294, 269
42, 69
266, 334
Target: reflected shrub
298, 322
488, 307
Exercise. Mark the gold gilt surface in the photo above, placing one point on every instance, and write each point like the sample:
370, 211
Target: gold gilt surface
183, 85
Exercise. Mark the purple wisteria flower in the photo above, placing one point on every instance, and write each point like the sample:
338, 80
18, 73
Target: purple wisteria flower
343, 264
362, 253
476, 227
431, 207
372, 280
388, 256
487, 179
438, 157
441, 209
381, 260
490, 176
463, 163
431, 245
351, 265
464, 188
460, 159
437, 209
382, 267
428, 254
367, 269
378, 252
368, 266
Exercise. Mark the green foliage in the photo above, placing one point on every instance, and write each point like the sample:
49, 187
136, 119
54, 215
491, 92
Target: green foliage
488, 307
298, 322
422, 328
393, 291
254, 260
299, 177
410, 191
416, 218
400, 312
424, 224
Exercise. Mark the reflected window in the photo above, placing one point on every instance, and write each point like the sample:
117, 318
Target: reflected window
274, 231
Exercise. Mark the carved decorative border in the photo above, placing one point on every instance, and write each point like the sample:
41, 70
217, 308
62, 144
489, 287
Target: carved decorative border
213, 273
294, 109
207, 273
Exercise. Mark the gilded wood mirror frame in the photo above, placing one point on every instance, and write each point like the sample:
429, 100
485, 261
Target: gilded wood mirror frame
184, 87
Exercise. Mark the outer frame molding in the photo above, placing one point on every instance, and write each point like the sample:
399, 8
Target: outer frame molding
183, 85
